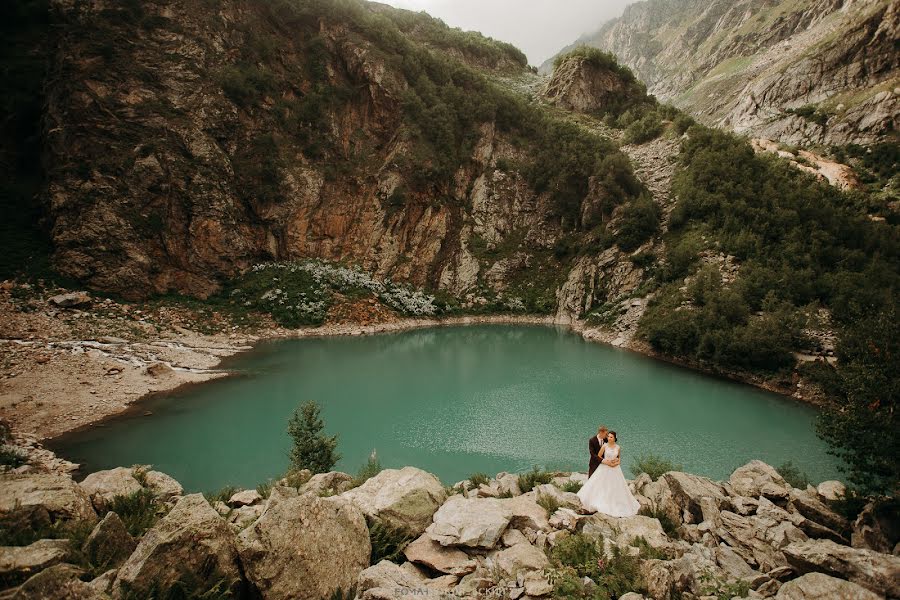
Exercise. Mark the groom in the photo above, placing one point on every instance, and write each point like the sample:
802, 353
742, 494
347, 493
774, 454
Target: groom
594, 445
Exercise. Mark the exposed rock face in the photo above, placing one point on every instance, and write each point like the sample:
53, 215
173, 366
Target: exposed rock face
744, 64
60, 582
818, 586
306, 547
52, 497
876, 528
877, 572
428, 552
403, 499
191, 542
750, 479
18, 563
332, 483
109, 543
582, 86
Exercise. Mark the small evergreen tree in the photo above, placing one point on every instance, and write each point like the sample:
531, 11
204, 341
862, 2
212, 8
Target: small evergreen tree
312, 449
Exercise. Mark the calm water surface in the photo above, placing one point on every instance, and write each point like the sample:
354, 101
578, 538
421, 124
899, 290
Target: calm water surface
454, 401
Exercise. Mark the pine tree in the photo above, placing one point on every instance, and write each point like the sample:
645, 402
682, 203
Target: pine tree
312, 449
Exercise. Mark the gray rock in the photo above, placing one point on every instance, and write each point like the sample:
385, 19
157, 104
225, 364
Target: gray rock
877, 572
831, 490
109, 544
59, 582
813, 509
245, 515
103, 486
47, 497
750, 479
526, 512
331, 483
191, 543
403, 499
387, 581
18, 563
758, 539
163, 486
426, 551
470, 522
508, 484
687, 491
244, 498
71, 300
515, 559
737, 569
537, 585
306, 547
818, 586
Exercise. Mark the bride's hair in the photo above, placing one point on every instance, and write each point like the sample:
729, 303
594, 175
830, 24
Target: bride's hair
615, 437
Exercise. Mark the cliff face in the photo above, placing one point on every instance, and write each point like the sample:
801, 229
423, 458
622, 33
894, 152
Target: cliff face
803, 72
186, 142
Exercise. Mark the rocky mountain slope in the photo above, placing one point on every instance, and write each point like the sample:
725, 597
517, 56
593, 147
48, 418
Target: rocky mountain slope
801, 72
402, 533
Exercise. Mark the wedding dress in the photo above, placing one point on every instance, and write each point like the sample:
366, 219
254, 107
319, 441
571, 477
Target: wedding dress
607, 492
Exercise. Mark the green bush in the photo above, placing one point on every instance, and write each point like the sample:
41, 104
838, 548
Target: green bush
388, 542
653, 465
12, 457
793, 475
311, 449
548, 503
649, 127
139, 511
477, 479
528, 481
583, 556
639, 223
572, 486
245, 84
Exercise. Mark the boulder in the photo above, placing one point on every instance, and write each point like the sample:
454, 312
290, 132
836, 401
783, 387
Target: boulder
191, 543
159, 369
624, 531
687, 491
511, 537
18, 563
387, 581
526, 512
45, 497
875, 571
537, 585
426, 551
403, 499
662, 500
831, 490
244, 498
109, 544
470, 522
515, 559
565, 519
508, 484
813, 509
103, 486
818, 586
71, 299
306, 547
245, 515
327, 484
163, 486
877, 528
758, 539
59, 582
737, 569
750, 479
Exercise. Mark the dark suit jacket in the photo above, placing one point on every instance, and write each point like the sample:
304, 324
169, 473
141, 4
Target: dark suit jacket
594, 447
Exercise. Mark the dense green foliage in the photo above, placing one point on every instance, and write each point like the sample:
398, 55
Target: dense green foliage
639, 223
800, 244
535, 477
311, 448
138, 511
793, 475
387, 542
577, 556
653, 465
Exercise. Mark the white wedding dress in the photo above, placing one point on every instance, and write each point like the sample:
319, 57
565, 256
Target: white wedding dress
607, 492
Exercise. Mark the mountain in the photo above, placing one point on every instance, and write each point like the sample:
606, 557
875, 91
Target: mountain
800, 71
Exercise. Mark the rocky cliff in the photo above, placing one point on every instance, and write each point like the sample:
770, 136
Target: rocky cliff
402, 533
802, 72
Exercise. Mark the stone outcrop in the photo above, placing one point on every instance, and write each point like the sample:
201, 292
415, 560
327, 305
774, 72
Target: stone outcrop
470, 522
59, 582
401, 499
45, 497
18, 563
818, 586
875, 571
103, 486
450, 561
582, 85
191, 543
109, 544
306, 547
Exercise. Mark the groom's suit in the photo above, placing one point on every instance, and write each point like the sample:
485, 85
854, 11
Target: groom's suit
594, 447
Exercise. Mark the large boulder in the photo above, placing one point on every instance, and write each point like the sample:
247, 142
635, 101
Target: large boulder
815, 510
163, 486
45, 497
109, 544
831, 490
875, 571
191, 546
388, 581
526, 512
327, 484
751, 479
402, 499
306, 547
426, 551
59, 582
737, 568
18, 563
515, 559
624, 531
818, 586
758, 539
470, 522
688, 491
103, 486
244, 498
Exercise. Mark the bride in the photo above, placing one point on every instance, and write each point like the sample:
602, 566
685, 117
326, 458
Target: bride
606, 491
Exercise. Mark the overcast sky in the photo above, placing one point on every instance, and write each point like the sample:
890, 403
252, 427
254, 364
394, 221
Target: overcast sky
539, 27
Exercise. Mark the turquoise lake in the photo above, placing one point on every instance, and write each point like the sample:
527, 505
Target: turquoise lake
454, 401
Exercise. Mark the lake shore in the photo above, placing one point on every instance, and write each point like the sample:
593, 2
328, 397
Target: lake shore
66, 369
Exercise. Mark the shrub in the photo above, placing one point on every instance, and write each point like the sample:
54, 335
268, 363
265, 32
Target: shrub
572, 486
649, 127
311, 448
388, 542
639, 223
138, 511
12, 457
535, 477
584, 557
367, 471
793, 475
245, 84
477, 479
549, 503
653, 465
647, 551
223, 494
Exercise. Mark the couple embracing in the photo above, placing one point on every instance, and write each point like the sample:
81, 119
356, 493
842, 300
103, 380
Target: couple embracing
606, 490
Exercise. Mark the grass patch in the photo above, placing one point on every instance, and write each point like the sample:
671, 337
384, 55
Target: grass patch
578, 556
653, 465
548, 503
477, 479
139, 511
528, 481
571, 486
388, 542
